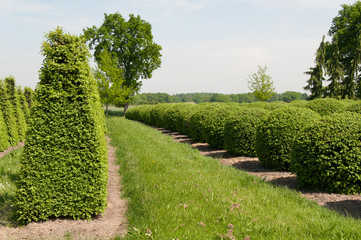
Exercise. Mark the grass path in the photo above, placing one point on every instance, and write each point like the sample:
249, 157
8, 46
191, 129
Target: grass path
175, 193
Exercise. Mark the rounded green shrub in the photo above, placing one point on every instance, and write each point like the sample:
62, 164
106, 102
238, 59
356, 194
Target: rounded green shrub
197, 121
268, 106
355, 107
326, 106
157, 114
183, 117
276, 133
144, 113
298, 103
15, 101
9, 115
326, 155
214, 121
4, 139
133, 113
170, 116
64, 167
240, 132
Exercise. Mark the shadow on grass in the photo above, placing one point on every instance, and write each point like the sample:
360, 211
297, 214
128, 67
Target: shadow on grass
349, 208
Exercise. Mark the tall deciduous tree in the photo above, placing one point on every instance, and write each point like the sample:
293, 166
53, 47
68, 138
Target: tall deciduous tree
131, 43
261, 84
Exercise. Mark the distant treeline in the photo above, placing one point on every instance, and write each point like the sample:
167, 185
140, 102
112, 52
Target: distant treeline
154, 98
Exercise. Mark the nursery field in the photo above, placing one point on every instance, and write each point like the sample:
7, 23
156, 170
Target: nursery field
173, 192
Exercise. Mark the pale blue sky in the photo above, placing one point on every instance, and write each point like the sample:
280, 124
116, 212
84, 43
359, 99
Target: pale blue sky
208, 45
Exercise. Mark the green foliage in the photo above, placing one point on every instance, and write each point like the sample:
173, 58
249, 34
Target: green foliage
183, 117
326, 106
23, 103
216, 97
354, 107
298, 103
110, 81
30, 96
4, 139
240, 131
261, 84
326, 154
15, 101
197, 121
157, 115
277, 131
130, 43
214, 121
9, 115
64, 163
267, 106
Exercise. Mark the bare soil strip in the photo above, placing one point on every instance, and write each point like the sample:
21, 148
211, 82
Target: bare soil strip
112, 223
348, 205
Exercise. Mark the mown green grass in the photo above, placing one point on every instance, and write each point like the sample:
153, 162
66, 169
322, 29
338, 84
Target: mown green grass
174, 193
9, 168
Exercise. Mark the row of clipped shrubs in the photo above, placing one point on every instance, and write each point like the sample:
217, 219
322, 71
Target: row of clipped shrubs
319, 140
14, 112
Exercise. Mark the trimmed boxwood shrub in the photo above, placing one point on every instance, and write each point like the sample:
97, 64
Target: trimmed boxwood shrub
326, 106
240, 132
298, 103
214, 121
157, 114
326, 155
4, 138
133, 113
183, 117
276, 133
170, 116
15, 101
64, 163
30, 96
9, 115
355, 107
197, 121
268, 106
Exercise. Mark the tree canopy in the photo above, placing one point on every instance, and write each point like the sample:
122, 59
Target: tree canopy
261, 84
130, 43
338, 61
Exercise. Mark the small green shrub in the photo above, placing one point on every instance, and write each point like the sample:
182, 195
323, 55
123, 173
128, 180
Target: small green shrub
354, 107
64, 167
276, 133
326, 155
133, 113
240, 132
326, 106
4, 137
30, 96
23, 103
9, 115
268, 106
298, 103
214, 121
157, 114
144, 114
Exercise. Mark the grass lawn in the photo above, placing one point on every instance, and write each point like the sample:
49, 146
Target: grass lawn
174, 193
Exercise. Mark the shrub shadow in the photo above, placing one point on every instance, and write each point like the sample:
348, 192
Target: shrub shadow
348, 208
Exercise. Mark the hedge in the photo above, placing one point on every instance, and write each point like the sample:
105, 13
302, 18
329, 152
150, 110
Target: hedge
9, 115
15, 101
214, 121
183, 117
23, 103
64, 167
326, 155
268, 106
4, 137
276, 133
240, 132
326, 106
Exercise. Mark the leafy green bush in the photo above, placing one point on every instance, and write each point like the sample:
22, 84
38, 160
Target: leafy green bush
133, 113
298, 103
157, 114
268, 106
64, 162
30, 96
326, 106
214, 121
277, 131
9, 115
197, 121
326, 154
4, 139
354, 107
240, 132
144, 114
15, 101
183, 117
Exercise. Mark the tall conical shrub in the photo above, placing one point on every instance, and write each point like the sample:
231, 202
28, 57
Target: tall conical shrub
4, 137
9, 115
29, 95
64, 163
23, 103
15, 101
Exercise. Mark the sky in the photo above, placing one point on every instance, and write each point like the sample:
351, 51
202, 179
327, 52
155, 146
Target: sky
207, 45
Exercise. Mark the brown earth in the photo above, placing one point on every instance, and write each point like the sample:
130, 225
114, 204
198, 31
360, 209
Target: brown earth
348, 205
112, 223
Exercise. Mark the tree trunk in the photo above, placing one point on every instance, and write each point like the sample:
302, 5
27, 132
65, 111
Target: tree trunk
126, 107
106, 109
